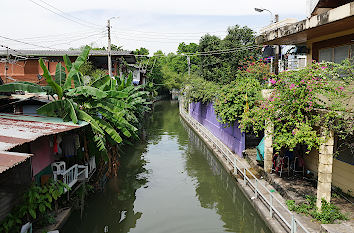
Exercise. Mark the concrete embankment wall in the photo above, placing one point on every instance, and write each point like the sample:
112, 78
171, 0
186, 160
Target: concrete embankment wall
231, 136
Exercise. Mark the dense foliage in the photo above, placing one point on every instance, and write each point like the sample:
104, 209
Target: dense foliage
35, 205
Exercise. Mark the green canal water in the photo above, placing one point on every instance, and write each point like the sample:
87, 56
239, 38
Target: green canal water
169, 183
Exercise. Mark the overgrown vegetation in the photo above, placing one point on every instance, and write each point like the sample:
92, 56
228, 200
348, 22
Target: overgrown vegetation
329, 212
35, 206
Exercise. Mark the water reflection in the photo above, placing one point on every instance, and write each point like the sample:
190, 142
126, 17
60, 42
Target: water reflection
169, 183
219, 191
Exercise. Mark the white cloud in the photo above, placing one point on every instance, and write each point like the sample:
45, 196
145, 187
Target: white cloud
23, 19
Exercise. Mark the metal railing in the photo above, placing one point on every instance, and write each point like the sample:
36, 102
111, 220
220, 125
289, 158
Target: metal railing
240, 168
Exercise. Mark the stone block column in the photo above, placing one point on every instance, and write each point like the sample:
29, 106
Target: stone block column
325, 163
268, 138
268, 147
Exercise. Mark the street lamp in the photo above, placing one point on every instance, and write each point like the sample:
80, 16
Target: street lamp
262, 9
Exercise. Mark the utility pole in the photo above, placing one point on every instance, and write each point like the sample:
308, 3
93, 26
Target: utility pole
109, 48
6, 63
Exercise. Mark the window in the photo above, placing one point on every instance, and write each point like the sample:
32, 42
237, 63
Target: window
341, 53
326, 54
336, 54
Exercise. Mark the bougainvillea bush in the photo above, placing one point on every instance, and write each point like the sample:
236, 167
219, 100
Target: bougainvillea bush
305, 104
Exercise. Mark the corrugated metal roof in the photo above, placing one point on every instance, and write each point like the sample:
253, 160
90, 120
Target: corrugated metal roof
18, 129
11, 159
67, 52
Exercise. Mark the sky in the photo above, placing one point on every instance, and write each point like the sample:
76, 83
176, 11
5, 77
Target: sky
153, 24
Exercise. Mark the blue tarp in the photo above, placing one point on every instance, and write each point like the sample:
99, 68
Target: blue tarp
260, 151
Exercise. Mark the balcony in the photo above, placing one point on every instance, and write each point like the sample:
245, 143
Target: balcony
75, 173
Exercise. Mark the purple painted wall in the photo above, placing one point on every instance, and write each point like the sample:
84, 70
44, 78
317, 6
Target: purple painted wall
230, 136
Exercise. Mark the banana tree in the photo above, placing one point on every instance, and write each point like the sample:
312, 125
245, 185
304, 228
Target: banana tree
106, 104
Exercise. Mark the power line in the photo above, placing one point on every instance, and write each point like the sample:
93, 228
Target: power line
174, 33
161, 35
208, 53
58, 35
70, 38
81, 38
63, 16
22, 42
87, 22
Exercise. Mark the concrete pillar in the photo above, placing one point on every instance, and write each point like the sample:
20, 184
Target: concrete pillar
309, 54
325, 163
268, 147
268, 138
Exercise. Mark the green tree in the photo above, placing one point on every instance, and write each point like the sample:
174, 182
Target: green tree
239, 44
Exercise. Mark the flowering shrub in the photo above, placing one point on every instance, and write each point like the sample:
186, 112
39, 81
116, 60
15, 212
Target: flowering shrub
236, 98
259, 69
301, 102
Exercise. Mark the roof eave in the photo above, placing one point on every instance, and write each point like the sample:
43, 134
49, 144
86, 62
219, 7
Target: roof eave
340, 18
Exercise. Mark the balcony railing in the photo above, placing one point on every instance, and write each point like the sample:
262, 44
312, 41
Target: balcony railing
75, 173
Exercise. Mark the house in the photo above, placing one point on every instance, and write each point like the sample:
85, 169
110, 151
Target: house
139, 74
37, 148
23, 65
328, 35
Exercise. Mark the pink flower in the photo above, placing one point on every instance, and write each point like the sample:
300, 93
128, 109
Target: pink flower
341, 88
272, 81
292, 86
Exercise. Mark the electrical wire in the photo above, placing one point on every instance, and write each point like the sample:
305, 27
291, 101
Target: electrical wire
208, 53
174, 33
63, 16
58, 35
87, 22
82, 38
159, 36
22, 42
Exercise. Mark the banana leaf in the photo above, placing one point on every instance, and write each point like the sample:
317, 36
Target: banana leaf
60, 75
102, 82
71, 108
86, 117
57, 89
74, 73
67, 63
117, 94
87, 91
21, 86
109, 129
53, 109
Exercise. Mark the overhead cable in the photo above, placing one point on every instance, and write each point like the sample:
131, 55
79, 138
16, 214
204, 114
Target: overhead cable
22, 42
63, 16
87, 22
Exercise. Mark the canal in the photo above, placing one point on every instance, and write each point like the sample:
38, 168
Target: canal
168, 183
